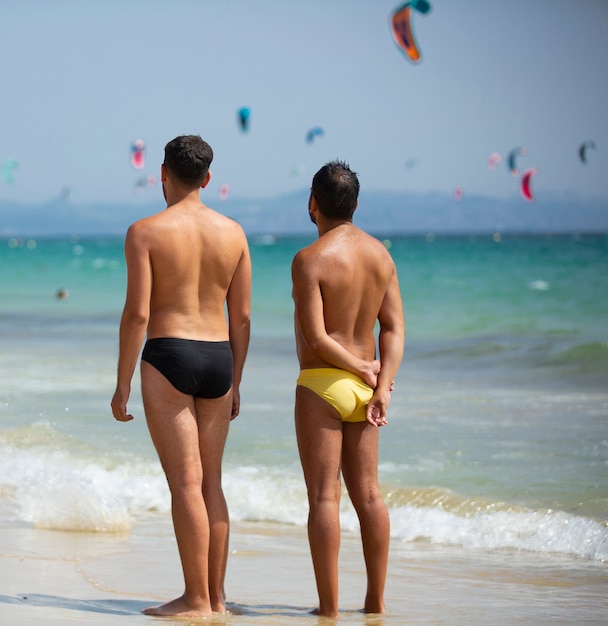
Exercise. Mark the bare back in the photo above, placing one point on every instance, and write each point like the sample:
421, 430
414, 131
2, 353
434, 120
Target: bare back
347, 273
194, 255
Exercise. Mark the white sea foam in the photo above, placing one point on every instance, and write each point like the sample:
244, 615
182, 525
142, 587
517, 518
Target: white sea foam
52, 482
63, 489
535, 531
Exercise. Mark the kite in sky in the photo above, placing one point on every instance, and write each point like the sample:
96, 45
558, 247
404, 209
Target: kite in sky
244, 114
297, 170
494, 160
317, 131
401, 27
525, 188
145, 181
137, 154
8, 167
224, 191
582, 151
512, 159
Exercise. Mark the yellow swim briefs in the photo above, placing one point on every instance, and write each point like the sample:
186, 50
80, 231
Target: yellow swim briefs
346, 392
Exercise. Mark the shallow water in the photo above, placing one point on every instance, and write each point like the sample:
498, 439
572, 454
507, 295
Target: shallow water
498, 434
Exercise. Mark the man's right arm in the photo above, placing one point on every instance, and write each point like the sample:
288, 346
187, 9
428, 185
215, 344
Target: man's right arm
134, 320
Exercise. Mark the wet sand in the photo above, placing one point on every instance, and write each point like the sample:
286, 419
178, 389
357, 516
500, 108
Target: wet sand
52, 577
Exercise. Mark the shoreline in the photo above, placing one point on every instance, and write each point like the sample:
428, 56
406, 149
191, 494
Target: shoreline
53, 577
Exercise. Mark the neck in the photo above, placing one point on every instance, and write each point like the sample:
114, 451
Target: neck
324, 226
177, 195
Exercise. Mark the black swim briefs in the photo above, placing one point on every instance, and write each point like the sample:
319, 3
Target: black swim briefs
202, 369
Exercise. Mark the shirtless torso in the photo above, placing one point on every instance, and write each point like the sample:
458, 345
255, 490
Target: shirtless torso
188, 290
343, 285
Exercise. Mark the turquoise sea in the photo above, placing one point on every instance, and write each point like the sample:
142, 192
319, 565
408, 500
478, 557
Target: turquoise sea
498, 429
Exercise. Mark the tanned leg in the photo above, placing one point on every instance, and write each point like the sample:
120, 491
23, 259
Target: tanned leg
360, 470
213, 418
319, 435
173, 427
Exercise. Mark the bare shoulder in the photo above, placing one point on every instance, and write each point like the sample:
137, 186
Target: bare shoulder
374, 246
370, 240
306, 258
146, 224
225, 223
138, 231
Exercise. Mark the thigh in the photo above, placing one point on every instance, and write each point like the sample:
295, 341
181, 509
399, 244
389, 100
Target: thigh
319, 436
360, 459
171, 420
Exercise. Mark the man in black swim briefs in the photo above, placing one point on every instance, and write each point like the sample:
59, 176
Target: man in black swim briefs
186, 267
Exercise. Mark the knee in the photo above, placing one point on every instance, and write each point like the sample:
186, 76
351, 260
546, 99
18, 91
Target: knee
212, 490
185, 484
368, 501
325, 498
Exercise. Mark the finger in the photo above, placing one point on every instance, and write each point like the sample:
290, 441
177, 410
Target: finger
372, 415
121, 415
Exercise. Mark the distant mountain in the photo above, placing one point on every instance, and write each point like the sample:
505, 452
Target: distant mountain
378, 212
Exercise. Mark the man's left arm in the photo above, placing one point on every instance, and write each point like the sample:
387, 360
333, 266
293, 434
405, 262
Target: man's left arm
390, 346
238, 302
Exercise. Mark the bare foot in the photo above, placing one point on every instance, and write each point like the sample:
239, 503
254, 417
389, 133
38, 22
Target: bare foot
178, 607
318, 612
376, 609
218, 603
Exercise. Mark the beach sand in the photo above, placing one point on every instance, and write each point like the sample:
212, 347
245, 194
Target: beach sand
53, 577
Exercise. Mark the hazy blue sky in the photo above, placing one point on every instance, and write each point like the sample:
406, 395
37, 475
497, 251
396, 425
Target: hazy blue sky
82, 79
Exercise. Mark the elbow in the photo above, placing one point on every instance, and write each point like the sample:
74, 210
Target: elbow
135, 319
315, 344
240, 323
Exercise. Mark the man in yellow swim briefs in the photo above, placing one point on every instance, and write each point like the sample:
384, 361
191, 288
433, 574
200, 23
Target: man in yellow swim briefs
343, 284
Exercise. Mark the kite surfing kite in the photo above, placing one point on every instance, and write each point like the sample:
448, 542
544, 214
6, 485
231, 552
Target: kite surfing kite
525, 188
244, 114
8, 167
297, 170
224, 191
582, 151
144, 182
494, 160
317, 131
137, 154
401, 27
512, 159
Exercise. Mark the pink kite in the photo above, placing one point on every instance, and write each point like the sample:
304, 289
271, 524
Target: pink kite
224, 191
137, 154
494, 160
